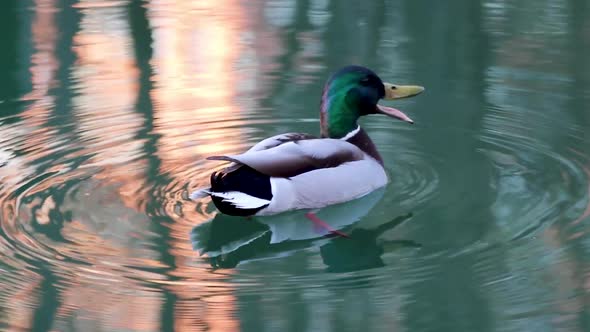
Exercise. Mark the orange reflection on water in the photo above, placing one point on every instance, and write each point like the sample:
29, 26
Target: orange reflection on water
213, 314
112, 239
196, 114
107, 119
44, 63
127, 307
37, 138
19, 310
196, 47
103, 229
32, 134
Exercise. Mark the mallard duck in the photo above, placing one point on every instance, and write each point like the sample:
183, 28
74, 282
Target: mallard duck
300, 171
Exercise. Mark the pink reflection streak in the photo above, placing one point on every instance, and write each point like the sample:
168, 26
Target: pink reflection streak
196, 48
105, 106
196, 51
43, 68
44, 63
23, 293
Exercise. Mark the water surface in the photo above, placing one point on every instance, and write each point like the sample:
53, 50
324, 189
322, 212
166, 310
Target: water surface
109, 108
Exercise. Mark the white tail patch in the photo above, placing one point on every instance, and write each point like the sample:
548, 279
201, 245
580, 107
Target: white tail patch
201, 193
241, 200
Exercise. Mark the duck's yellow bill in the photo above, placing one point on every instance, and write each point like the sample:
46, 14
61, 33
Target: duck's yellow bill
395, 91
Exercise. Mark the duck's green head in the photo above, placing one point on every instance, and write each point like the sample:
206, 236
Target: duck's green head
354, 91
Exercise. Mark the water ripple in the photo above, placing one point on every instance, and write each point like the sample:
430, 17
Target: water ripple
488, 204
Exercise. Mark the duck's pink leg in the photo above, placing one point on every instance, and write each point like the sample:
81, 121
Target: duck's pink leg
322, 224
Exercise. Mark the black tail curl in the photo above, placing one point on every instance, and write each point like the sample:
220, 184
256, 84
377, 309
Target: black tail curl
243, 179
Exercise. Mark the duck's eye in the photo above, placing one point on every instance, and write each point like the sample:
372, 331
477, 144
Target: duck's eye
365, 81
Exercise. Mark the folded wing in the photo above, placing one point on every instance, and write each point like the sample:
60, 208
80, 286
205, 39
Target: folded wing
297, 156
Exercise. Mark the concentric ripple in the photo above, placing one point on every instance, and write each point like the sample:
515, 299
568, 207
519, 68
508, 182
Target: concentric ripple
535, 183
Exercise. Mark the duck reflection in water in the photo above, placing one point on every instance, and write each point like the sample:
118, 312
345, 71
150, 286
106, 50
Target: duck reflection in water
228, 241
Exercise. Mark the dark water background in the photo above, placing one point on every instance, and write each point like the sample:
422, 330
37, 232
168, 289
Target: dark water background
108, 109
